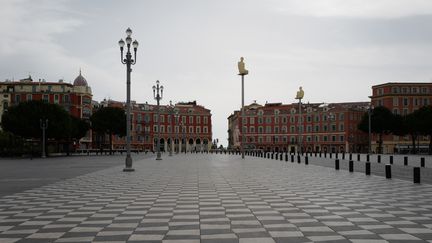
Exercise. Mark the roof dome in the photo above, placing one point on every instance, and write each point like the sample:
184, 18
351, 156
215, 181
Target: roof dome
80, 80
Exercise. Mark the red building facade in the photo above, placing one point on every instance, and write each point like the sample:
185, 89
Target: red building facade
282, 127
400, 98
75, 98
183, 127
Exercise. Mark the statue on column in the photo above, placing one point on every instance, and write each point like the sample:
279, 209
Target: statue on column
241, 67
300, 94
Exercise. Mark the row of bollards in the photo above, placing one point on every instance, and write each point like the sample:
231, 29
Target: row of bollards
298, 157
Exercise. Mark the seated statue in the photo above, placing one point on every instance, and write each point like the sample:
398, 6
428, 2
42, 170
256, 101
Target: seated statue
241, 67
300, 94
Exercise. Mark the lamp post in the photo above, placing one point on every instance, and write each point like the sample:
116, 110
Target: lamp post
128, 61
299, 96
370, 129
171, 137
177, 131
242, 73
157, 94
183, 136
43, 125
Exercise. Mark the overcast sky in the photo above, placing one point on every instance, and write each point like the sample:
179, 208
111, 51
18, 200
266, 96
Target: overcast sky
335, 49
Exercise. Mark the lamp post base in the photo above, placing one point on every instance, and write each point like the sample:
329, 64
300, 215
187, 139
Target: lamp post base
158, 156
128, 167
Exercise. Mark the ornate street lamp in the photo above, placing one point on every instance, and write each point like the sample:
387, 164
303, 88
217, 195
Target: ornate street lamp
242, 73
157, 94
128, 61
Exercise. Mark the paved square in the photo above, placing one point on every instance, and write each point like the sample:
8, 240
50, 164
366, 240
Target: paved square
219, 198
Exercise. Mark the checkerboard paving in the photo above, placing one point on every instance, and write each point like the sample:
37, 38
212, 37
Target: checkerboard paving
223, 199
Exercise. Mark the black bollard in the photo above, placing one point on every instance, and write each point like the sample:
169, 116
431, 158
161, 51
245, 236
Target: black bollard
292, 158
416, 174
406, 160
379, 158
286, 156
298, 159
367, 168
343, 156
325, 154
336, 164
272, 155
367, 157
330, 155
422, 162
391, 159
351, 166
358, 157
306, 160
388, 171
337, 155
350, 156
281, 156
320, 154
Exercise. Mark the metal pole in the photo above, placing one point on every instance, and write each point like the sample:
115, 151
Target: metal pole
369, 128
171, 140
299, 127
158, 157
128, 113
242, 114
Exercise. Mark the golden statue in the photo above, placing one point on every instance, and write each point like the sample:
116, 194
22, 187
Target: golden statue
300, 94
241, 67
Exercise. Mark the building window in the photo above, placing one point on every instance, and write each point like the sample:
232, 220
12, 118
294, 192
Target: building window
29, 97
316, 138
309, 128
309, 138
139, 128
252, 120
333, 138
395, 101
198, 129
268, 120
176, 128
168, 129
284, 120
155, 128
162, 118
325, 138
333, 127
285, 139
190, 119
293, 140
341, 127
276, 120
139, 118
191, 129
49, 88
405, 101
34, 88
284, 129
198, 120
184, 119
244, 120
325, 128
268, 139
292, 129
252, 129
66, 98
317, 118
17, 98
309, 118
276, 129
341, 116
268, 129
45, 98
260, 129
205, 129
342, 138
395, 90
56, 99
292, 119
205, 120
396, 111
155, 118
260, 120
317, 128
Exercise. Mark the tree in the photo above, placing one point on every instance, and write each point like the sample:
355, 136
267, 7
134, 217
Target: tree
109, 120
382, 122
424, 116
24, 120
